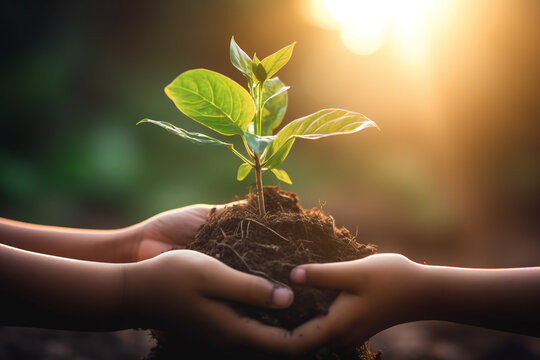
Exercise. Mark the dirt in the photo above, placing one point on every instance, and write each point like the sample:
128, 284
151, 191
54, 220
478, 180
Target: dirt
271, 246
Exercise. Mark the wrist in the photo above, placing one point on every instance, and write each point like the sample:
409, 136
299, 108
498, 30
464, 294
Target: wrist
414, 296
427, 301
135, 285
441, 293
126, 243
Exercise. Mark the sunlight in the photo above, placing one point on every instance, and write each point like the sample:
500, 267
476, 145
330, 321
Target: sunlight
362, 23
365, 24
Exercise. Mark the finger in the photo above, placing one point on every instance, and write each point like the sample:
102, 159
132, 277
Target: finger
224, 282
335, 324
219, 208
340, 275
228, 326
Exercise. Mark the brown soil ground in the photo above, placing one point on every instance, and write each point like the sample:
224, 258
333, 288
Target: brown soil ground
271, 246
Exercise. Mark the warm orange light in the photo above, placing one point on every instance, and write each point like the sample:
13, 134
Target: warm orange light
365, 24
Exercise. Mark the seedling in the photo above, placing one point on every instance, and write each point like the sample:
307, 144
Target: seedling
224, 106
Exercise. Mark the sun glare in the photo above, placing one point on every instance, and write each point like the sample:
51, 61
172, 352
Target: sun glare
364, 25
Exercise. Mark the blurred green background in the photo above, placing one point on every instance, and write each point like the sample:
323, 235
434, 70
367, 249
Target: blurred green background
453, 177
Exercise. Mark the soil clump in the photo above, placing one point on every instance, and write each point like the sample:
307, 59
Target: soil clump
271, 246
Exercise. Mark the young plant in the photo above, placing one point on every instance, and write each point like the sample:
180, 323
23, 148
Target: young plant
226, 107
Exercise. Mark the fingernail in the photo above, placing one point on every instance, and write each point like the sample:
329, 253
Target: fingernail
281, 296
298, 275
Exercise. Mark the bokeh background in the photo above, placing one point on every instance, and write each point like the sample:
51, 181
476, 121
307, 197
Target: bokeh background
452, 178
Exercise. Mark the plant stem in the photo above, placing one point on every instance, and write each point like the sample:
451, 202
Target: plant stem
261, 86
260, 193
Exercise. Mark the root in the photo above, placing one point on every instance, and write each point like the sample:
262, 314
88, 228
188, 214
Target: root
256, 272
266, 227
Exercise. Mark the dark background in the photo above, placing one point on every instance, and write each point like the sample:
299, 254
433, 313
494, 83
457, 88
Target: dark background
452, 178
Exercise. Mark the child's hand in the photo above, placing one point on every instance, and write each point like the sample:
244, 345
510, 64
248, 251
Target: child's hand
170, 230
377, 292
186, 290
384, 290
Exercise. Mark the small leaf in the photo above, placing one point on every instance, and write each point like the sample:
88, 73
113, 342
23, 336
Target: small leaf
277, 60
258, 143
260, 73
256, 60
323, 123
282, 175
279, 156
275, 100
240, 59
258, 70
196, 138
213, 100
243, 171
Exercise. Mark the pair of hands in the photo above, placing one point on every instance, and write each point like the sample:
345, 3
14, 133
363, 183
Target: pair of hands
127, 285
188, 289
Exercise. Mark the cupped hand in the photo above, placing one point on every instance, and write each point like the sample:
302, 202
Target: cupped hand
172, 229
377, 292
186, 291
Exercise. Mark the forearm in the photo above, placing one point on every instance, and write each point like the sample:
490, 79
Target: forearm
92, 245
503, 299
45, 291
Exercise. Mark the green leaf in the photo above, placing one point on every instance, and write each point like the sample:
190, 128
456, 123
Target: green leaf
193, 137
213, 100
258, 70
282, 175
258, 143
196, 138
323, 123
276, 158
275, 100
277, 60
240, 59
243, 171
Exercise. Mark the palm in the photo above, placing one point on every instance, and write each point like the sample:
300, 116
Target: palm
173, 229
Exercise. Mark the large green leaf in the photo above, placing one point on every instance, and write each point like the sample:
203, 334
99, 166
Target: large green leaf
275, 100
323, 123
243, 171
272, 63
240, 59
213, 100
281, 175
196, 138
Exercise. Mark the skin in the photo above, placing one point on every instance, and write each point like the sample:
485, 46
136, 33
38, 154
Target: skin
172, 229
116, 279
384, 290
91, 280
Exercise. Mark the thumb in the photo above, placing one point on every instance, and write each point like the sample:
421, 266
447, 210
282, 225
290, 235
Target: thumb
339, 275
235, 285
